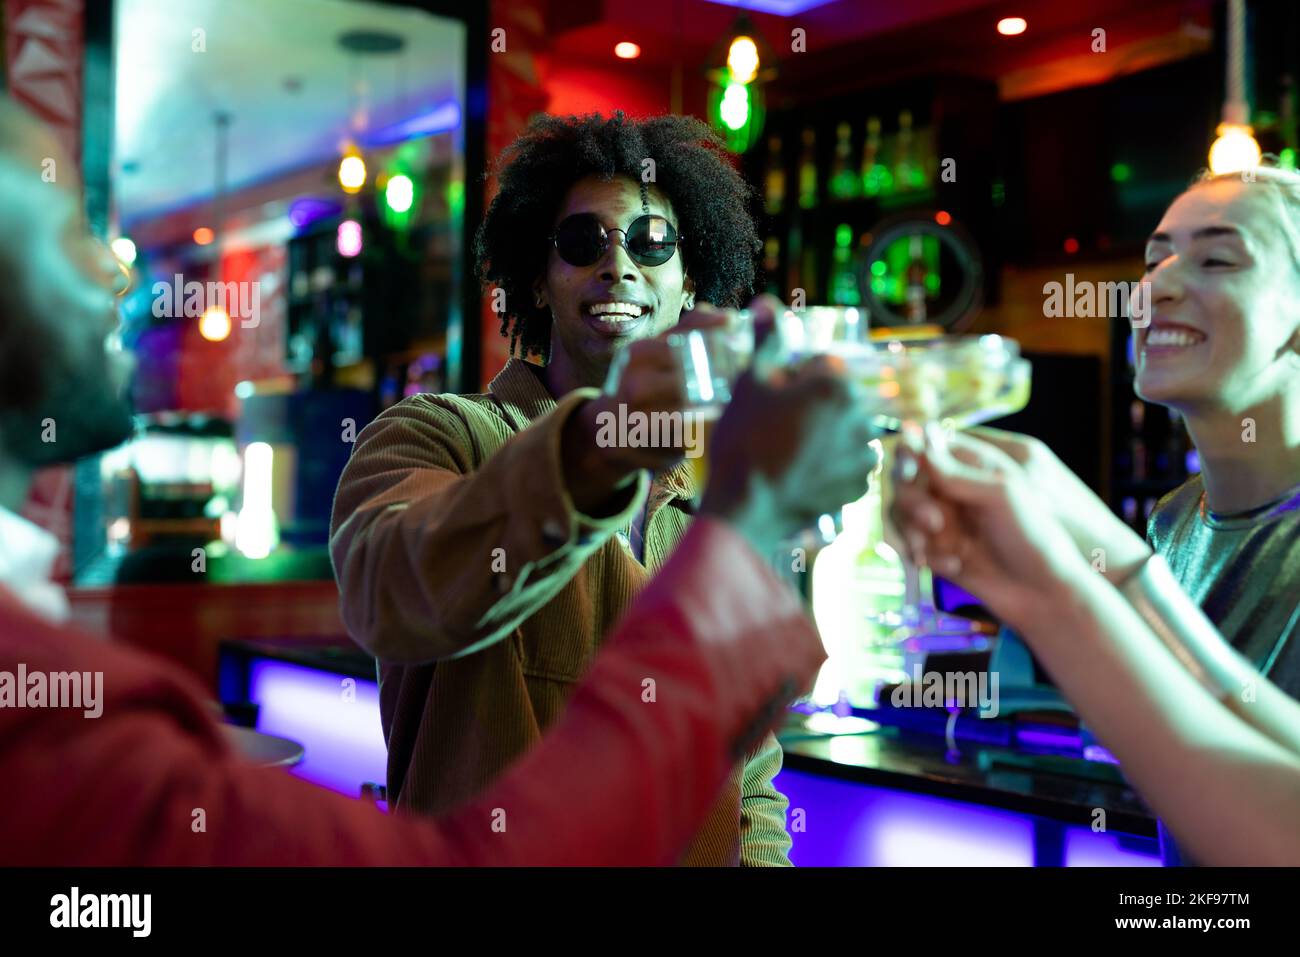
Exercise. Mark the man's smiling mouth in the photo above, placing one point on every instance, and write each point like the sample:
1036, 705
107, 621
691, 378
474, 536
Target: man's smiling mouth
615, 318
617, 310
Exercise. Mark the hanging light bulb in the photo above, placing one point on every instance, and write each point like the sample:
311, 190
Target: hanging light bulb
352, 170
742, 59
735, 99
348, 240
214, 324
399, 194
734, 109
1235, 149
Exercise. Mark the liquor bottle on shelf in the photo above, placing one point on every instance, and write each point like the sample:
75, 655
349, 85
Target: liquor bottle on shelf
774, 191
844, 289
844, 181
927, 160
772, 263
771, 253
916, 275
792, 248
808, 273
808, 170
876, 178
908, 174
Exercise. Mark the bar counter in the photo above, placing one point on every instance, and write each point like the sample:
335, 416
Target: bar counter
882, 796
890, 796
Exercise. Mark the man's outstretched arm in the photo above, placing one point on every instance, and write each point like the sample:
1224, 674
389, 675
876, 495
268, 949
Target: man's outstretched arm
625, 777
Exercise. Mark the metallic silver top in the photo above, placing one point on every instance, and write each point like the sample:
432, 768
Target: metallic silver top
1243, 569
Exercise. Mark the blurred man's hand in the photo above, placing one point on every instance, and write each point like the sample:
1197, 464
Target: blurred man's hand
790, 447
650, 381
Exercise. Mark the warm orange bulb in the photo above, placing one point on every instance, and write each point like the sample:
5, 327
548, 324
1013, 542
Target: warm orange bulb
742, 59
214, 324
943, 217
1012, 26
627, 50
1235, 150
203, 235
352, 172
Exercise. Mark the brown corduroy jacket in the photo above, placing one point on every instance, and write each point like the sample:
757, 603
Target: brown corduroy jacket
465, 569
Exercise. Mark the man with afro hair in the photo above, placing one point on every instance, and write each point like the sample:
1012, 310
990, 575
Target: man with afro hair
485, 544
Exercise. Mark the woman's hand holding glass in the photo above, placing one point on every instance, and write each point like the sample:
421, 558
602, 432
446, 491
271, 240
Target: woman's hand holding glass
1104, 540
980, 520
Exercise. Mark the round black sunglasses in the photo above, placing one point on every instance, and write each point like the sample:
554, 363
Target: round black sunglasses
581, 239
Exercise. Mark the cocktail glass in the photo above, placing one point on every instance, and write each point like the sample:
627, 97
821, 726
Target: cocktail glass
925, 390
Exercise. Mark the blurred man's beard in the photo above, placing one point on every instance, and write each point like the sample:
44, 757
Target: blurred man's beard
69, 424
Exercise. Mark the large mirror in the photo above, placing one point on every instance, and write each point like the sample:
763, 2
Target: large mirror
922, 270
292, 216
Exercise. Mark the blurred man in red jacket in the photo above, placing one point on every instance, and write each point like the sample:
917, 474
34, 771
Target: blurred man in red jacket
112, 757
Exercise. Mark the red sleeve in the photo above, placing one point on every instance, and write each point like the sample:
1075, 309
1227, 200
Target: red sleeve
695, 673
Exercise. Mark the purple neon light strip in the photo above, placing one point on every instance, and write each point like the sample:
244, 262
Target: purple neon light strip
444, 117
342, 740
1063, 740
782, 8
846, 824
